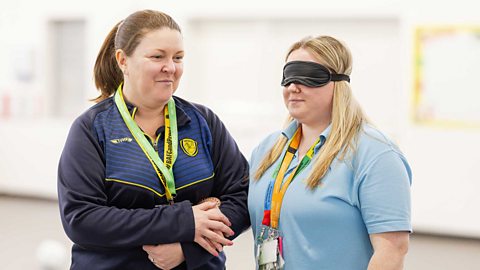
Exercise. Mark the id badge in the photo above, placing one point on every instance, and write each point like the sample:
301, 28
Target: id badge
268, 252
269, 255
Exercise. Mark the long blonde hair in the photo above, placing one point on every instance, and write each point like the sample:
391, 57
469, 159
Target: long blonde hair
347, 115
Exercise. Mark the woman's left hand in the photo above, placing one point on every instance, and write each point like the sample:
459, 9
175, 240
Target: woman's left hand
165, 256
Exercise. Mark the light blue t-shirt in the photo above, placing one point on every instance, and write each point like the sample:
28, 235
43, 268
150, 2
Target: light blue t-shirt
329, 227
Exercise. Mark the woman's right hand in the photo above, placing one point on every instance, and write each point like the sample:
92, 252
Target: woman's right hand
211, 227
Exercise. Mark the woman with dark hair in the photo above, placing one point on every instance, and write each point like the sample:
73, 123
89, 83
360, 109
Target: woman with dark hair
146, 179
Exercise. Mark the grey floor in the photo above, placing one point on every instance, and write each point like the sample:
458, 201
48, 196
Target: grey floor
31, 237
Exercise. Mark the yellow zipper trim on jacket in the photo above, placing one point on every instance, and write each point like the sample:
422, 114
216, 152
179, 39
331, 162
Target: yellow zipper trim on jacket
154, 191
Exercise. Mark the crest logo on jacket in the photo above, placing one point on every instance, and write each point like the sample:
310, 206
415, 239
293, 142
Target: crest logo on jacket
189, 147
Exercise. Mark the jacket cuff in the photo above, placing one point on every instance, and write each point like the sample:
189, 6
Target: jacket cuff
186, 220
195, 255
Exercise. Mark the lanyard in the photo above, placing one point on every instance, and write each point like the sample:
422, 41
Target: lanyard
170, 145
276, 190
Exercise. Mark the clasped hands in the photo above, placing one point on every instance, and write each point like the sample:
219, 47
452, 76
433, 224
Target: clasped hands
212, 228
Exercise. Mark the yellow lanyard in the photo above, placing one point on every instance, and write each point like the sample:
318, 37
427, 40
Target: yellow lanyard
279, 189
163, 169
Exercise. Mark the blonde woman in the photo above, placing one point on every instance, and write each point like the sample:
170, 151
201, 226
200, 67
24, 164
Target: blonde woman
329, 191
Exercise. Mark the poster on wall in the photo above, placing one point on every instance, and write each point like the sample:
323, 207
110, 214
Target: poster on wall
446, 90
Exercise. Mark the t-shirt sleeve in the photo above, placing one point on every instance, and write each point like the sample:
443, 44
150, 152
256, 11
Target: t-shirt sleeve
384, 194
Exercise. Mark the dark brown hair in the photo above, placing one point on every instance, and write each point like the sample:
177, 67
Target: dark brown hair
125, 35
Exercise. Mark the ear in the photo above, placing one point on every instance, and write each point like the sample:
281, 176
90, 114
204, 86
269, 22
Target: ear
121, 58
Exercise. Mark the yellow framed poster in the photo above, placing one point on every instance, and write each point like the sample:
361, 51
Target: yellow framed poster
446, 89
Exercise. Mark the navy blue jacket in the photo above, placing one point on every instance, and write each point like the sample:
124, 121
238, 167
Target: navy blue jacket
112, 202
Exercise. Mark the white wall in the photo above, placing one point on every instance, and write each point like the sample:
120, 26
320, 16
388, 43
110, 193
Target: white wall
443, 161
245, 89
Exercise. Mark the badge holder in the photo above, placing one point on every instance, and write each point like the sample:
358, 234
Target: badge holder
269, 249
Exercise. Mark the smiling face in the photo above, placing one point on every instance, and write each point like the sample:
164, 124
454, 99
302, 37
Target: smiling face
152, 73
308, 105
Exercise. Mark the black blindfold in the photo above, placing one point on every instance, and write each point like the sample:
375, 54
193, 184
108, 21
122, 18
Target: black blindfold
309, 74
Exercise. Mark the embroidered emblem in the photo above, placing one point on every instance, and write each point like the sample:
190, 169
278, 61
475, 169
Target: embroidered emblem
126, 139
189, 147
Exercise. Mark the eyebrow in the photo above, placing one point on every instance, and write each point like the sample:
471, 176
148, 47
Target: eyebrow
163, 51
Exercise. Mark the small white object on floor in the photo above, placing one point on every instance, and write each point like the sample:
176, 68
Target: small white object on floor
51, 255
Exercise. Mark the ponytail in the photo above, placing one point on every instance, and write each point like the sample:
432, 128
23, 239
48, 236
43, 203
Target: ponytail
107, 74
125, 35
